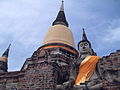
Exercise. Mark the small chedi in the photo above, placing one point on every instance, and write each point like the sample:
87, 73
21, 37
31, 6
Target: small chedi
58, 65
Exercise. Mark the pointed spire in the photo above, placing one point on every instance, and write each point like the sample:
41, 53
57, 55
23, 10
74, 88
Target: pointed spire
84, 37
5, 54
62, 6
61, 19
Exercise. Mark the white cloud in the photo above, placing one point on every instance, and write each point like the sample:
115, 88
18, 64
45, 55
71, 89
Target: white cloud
113, 32
113, 35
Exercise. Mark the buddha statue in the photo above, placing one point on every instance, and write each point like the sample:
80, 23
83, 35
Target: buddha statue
83, 68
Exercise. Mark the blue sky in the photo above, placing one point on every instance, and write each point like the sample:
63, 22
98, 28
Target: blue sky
24, 23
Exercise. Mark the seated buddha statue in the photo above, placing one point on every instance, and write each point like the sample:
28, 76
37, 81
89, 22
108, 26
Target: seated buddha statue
83, 68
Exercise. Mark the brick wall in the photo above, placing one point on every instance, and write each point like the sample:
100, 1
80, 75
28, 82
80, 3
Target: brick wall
40, 76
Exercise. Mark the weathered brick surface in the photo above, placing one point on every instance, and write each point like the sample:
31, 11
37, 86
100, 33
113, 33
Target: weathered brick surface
10, 80
111, 62
40, 76
41, 72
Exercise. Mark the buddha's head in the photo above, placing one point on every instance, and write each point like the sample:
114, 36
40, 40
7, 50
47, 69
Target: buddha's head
84, 47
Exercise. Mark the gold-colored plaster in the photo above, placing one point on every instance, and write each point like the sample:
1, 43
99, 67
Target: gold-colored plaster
59, 34
4, 59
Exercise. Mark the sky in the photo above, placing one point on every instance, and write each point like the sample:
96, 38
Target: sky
24, 23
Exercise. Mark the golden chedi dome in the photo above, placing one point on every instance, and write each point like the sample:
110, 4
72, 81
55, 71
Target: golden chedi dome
59, 34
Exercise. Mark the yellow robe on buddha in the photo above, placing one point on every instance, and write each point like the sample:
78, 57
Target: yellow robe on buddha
86, 69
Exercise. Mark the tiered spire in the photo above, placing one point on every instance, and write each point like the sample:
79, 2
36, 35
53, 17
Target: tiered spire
84, 37
61, 19
6, 53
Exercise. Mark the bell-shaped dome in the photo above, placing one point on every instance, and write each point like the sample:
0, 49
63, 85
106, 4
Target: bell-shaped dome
59, 34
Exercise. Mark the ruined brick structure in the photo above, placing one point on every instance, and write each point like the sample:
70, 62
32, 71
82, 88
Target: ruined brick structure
111, 64
50, 63
48, 66
111, 61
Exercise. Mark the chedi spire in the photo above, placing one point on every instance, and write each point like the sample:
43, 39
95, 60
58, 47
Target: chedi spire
6, 53
61, 19
4, 60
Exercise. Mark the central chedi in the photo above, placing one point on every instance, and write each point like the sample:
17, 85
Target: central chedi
59, 35
59, 46
59, 32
